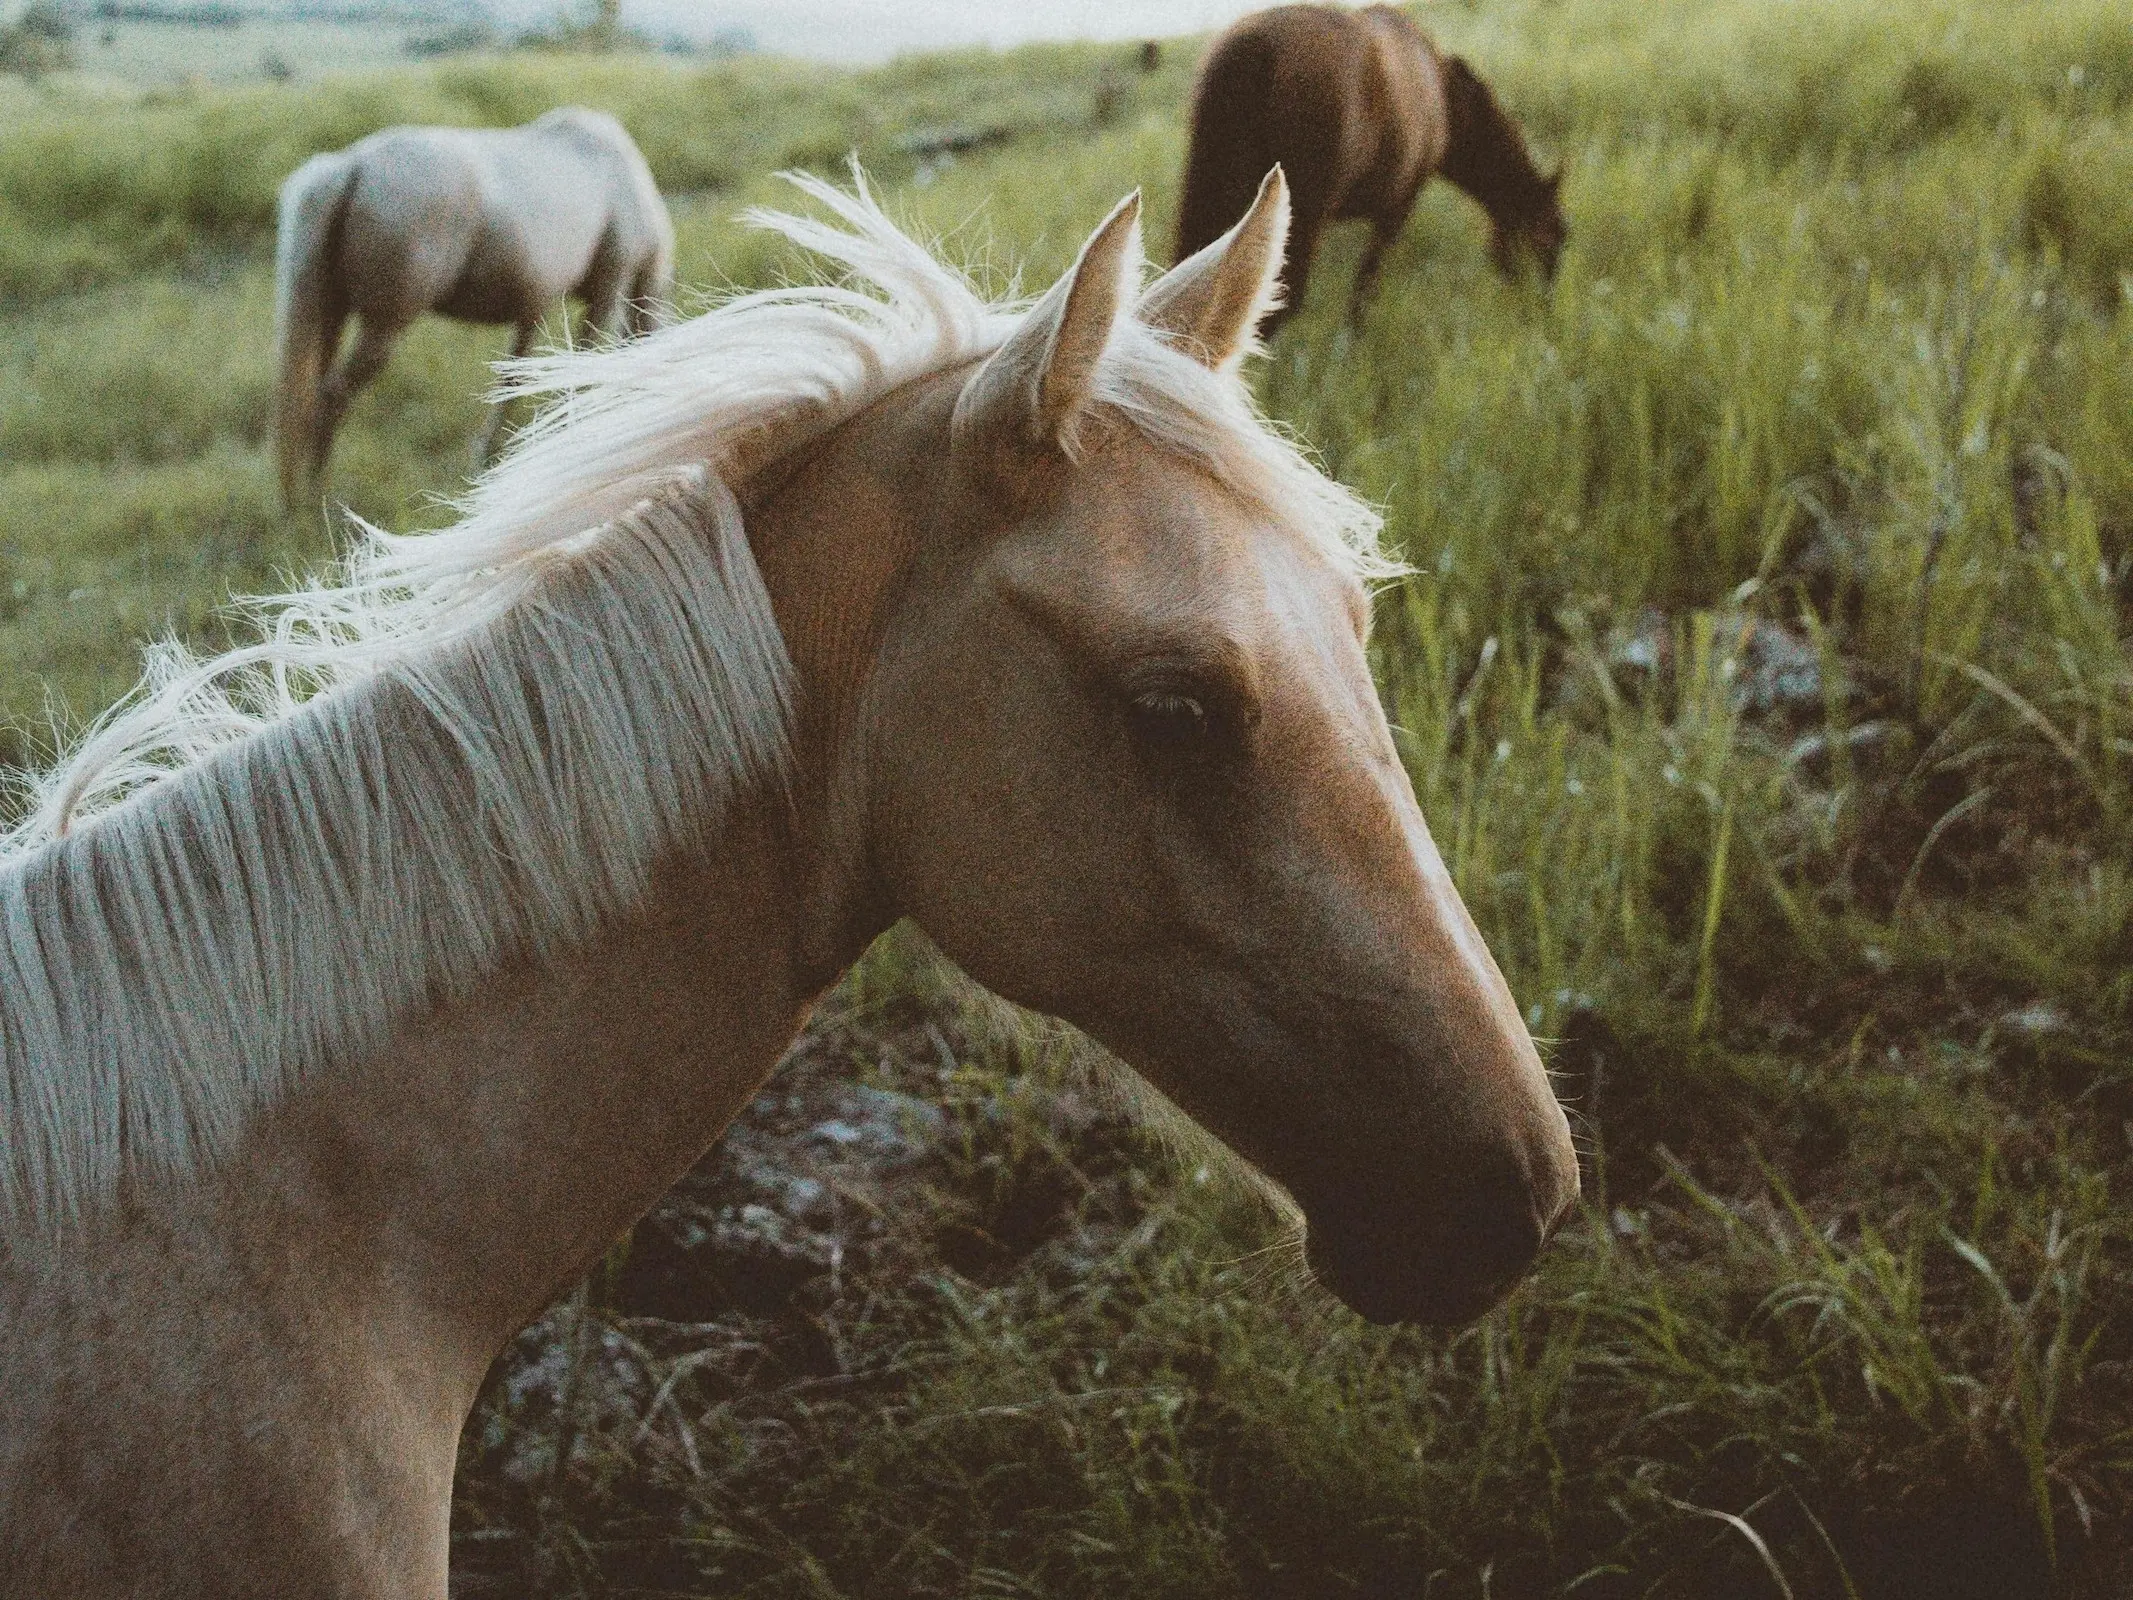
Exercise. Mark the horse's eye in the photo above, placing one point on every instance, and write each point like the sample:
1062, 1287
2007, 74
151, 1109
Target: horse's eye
1165, 719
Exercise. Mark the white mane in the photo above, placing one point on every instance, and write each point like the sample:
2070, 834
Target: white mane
473, 744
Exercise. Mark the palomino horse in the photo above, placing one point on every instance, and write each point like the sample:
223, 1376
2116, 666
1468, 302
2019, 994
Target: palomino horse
1361, 109
360, 986
483, 224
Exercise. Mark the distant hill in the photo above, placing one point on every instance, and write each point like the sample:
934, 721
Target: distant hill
866, 30
832, 30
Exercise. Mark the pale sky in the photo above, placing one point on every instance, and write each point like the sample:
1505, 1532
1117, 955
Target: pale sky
873, 30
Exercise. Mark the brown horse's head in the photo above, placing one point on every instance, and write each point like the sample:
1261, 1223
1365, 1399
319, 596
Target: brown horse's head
1528, 228
1125, 763
1487, 156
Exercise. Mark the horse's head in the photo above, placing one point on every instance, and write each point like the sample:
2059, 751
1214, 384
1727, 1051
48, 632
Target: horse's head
1488, 158
1125, 763
1529, 227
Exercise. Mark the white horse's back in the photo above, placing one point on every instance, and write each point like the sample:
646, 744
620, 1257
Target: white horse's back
489, 225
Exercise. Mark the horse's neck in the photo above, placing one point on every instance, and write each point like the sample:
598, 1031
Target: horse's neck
486, 1157
265, 1369
483, 1160
1484, 155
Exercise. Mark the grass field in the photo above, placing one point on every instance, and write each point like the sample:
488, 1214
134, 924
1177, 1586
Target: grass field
1764, 677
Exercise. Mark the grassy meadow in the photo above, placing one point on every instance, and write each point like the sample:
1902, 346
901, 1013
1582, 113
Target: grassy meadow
1764, 675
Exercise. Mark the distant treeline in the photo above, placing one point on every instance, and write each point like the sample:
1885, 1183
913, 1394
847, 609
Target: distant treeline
209, 14
451, 41
427, 11
222, 14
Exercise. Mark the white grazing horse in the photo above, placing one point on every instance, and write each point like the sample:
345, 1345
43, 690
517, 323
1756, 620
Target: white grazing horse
491, 225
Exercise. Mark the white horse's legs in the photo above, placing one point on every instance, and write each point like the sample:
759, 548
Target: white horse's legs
485, 441
646, 309
607, 310
356, 371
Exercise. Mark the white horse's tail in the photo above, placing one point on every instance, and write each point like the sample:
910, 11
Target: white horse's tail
311, 201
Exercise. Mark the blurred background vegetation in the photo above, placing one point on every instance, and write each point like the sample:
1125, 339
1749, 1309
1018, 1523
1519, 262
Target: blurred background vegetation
1764, 677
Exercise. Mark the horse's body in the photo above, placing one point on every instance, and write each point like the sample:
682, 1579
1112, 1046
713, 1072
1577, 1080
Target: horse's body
329, 1058
1361, 109
486, 225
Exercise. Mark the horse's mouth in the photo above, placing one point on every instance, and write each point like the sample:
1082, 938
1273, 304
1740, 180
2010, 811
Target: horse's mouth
1408, 1298
1442, 1276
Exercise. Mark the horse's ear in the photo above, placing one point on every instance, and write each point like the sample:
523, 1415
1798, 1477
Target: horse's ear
1035, 387
1213, 301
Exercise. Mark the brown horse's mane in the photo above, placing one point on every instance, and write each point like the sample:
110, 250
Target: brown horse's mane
1487, 156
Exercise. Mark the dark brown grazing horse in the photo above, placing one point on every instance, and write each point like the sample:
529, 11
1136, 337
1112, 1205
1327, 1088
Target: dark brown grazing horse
1361, 109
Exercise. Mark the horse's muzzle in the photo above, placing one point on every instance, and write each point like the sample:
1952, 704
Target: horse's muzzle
1441, 1263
